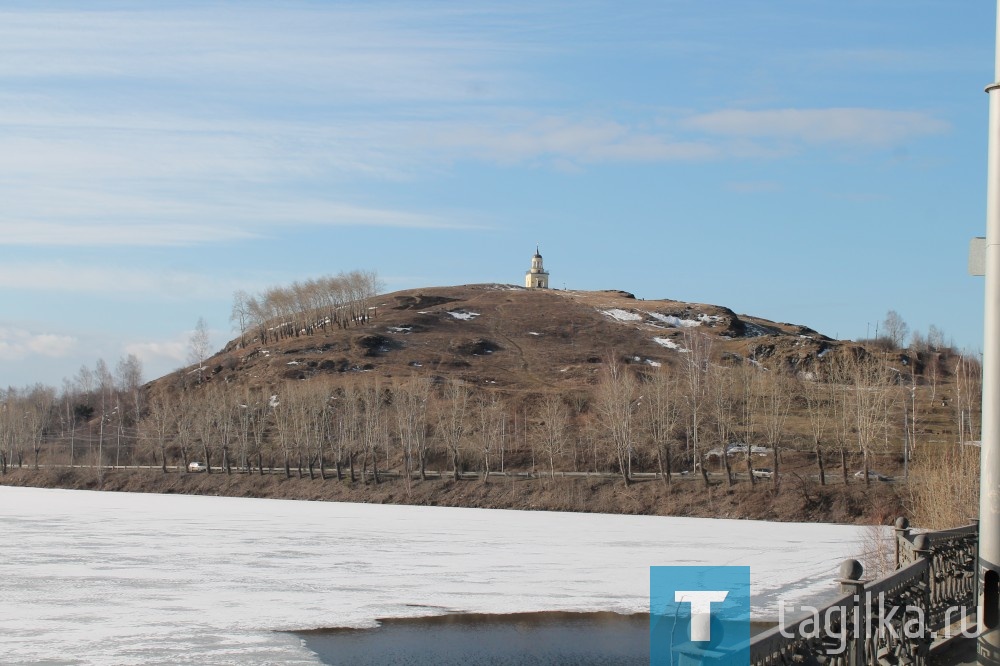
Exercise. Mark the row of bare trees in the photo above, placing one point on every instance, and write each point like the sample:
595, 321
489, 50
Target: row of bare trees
24, 419
637, 418
97, 407
860, 406
303, 308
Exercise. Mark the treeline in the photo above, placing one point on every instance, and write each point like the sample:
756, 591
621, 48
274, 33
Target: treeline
303, 308
635, 418
96, 403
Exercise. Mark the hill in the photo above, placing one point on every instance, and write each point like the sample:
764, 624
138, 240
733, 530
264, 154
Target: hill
513, 339
499, 396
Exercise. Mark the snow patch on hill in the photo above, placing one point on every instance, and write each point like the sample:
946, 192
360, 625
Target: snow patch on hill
621, 315
463, 315
670, 344
659, 319
676, 322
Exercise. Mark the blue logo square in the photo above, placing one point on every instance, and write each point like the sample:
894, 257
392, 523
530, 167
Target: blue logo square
699, 615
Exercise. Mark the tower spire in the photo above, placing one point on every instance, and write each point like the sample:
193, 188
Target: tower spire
537, 277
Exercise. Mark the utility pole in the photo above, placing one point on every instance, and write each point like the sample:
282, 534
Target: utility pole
989, 479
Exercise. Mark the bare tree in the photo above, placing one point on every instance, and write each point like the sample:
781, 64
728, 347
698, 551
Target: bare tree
820, 406
316, 427
775, 402
871, 391
242, 313
10, 424
106, 385
935, 338
184, 427
199, 347
451, 421
615, 404
283, 414
410, 402
36, 411
259, 405
490, 414
128, 381
68, 414
350, 424
159, 421
696, 362
968, 397
553, 425
660, 411
375, 429
749, 377
895, 329
721, 399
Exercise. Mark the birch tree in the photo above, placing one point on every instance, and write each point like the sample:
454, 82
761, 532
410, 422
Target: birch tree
451, 421
695, 365
660, 410
818, 397
615, 403
776, 399
871, 391
199, 347
410, 404
723, 409
553, 426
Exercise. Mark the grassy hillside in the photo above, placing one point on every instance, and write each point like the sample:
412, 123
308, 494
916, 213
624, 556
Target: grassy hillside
495, 385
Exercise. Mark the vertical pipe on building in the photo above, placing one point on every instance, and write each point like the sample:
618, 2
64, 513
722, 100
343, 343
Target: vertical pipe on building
989, 480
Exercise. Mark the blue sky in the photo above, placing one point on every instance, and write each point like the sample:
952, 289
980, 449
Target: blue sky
812, 162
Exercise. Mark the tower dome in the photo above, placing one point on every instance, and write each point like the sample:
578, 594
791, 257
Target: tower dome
536, 277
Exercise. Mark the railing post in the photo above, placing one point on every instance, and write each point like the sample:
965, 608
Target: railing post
922, 550
851, 583
902, 531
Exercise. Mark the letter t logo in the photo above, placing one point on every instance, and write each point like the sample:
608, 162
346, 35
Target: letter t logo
701, 610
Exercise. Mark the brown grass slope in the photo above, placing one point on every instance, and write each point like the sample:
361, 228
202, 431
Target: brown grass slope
513, 339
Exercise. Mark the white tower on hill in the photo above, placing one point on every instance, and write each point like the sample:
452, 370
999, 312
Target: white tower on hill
536, 278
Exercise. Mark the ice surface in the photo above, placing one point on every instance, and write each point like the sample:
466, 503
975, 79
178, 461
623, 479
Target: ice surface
102, 578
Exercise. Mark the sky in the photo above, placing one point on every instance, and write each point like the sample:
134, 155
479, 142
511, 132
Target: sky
819, 163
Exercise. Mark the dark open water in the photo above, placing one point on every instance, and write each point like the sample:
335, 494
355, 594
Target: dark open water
529, 639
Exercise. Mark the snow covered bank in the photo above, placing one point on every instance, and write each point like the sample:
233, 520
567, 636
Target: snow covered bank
116, 577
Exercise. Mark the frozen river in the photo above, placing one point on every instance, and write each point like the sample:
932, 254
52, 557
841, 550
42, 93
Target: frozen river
110, 578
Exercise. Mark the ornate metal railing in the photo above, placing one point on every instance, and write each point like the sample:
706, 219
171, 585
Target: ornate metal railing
891, 620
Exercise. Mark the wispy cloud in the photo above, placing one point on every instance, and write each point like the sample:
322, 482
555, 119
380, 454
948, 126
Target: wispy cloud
166, 354
176, 186
854, 126
384, 53
150, 285
95, 234
190, 125
18, 344
160, 354
556, 138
